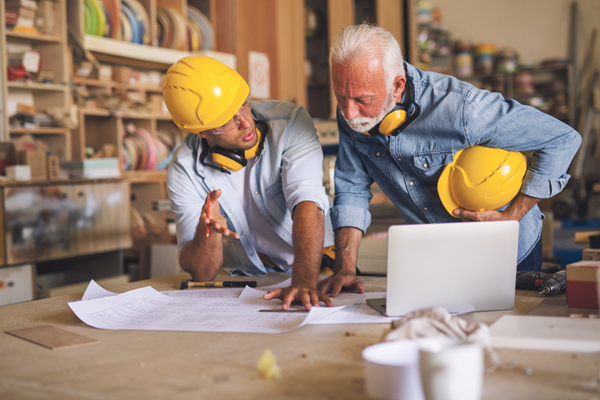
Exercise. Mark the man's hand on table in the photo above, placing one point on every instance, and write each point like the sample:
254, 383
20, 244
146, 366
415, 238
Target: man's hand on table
309, 296
341, 280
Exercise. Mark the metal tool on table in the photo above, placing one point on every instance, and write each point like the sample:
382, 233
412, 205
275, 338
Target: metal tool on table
556, 283
530, 280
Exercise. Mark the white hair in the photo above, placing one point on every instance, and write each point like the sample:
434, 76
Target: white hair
355, 42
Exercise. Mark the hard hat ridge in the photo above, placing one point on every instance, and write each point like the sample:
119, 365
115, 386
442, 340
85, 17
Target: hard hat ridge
202, 93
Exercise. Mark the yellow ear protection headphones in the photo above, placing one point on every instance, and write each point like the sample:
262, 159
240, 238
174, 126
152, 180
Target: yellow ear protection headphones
226, 160
398, 119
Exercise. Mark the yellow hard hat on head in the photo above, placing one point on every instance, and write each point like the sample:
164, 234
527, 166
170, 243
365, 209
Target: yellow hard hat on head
482, 178
202, 93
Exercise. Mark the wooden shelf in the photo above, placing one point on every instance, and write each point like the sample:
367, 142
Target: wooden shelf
56, 87
145, 176
98, 112
38, 131
128, 86
151, 54
33, 37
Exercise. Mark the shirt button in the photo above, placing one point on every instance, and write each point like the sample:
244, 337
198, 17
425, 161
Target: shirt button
241, 233
410, 183
378, 154
425, 208
424, 165
399, 159
284, 234
256, 192
269, 217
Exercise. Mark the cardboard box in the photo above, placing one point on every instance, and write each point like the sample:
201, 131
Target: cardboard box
53, 168
36, 160
7, 156
18, 172
582, 284
16, 284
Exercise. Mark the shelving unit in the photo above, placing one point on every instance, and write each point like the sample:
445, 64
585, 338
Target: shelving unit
53, 51
548, 84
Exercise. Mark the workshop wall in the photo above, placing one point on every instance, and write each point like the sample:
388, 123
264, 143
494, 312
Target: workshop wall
537, 29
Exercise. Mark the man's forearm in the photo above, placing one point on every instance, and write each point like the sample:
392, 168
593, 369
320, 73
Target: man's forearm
347, 241
308, 244
520, 206
202, 257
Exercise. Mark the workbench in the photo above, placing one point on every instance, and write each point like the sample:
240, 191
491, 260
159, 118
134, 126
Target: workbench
317, 361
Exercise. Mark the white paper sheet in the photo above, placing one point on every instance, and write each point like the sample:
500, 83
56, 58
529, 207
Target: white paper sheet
95, 291
356, 312
547, 333
223, 293
147, 309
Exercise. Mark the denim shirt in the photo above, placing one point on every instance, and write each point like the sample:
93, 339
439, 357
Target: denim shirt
454, 115
288, 171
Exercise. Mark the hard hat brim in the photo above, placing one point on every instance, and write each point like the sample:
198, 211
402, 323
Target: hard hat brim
443, 187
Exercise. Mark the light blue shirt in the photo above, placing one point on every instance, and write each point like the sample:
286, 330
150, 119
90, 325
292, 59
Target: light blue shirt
288, 171
454, 115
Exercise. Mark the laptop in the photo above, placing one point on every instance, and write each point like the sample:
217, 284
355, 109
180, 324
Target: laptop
459, 266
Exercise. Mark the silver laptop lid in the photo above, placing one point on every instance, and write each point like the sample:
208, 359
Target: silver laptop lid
452, 265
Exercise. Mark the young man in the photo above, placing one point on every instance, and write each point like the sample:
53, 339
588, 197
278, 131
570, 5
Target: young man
261, 164
433, 116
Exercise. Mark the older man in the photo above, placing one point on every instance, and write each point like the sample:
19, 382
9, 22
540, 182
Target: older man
433, 116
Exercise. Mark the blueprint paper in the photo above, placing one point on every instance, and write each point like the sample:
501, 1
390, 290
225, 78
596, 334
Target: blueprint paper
95, 291
147, 309
356, 312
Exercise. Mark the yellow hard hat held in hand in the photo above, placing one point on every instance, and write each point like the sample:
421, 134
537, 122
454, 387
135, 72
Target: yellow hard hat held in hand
482, 178
202, 93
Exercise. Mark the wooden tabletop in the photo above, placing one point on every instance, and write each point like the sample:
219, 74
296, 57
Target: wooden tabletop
317, 361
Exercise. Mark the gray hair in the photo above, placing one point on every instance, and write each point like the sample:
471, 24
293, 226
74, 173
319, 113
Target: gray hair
354, 42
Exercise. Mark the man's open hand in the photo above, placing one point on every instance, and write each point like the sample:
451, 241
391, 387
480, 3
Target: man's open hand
309, 296
341, 280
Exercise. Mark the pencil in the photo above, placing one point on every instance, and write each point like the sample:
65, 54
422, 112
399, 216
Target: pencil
189, 283
208, 214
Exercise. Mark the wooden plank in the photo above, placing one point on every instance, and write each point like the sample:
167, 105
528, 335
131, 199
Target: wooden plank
317, 361
52, 337
389, 17
341, 14
291, 51
254, 32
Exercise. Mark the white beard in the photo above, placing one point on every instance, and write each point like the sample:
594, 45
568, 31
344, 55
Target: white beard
364, 124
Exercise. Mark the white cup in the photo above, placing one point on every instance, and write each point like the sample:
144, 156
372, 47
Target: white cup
451, 369
392, 370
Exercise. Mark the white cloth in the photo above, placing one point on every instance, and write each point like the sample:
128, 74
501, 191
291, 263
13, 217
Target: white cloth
437, 321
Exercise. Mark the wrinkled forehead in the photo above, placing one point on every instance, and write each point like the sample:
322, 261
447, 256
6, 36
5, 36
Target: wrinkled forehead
352, 80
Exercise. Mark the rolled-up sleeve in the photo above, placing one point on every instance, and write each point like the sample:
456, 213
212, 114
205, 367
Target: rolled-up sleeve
352, 185
302, 163
490, 120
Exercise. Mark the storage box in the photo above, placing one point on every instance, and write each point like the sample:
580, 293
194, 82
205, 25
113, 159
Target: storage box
53, 166
591, 254
582, 284
18, 172
36, 161
16, 284
7, 156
